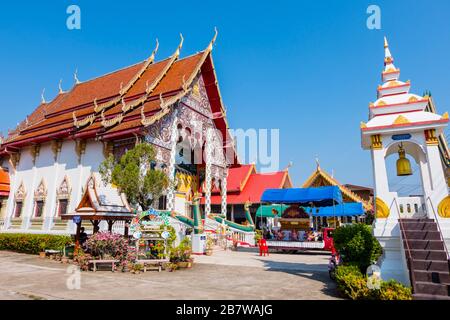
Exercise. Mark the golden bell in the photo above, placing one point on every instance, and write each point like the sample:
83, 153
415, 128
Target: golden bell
403, 164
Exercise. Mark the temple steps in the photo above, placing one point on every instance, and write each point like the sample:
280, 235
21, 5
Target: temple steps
423, 235
432, 288
424, 244
420, 226
437, 255
426, 258
433, 277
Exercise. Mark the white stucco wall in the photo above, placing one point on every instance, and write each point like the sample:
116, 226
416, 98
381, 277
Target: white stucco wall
53, 173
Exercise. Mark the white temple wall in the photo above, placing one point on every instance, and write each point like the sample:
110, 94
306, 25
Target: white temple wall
53, 172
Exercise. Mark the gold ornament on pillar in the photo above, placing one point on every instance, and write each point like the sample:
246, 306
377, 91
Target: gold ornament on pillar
377, 142
403, 164
430, 137
382, 210
444, 208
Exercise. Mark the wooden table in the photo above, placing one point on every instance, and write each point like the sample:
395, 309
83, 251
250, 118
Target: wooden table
95, 262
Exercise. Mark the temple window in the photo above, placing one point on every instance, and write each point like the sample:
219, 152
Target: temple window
416, 208
20, 196
408, 208
63, 197
39, 199
401, 208
63, 205
39, 208
18, 209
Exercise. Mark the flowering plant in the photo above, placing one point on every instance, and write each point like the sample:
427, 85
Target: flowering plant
109, 244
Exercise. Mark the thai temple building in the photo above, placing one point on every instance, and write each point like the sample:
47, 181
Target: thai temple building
244, 185
175, 104
320, 178
408, 227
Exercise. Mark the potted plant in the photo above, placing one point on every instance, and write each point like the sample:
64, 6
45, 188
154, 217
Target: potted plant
42, 253
209, 246
136, 268
171, 266
181, 255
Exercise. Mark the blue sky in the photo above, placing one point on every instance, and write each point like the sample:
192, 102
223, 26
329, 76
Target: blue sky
309, 68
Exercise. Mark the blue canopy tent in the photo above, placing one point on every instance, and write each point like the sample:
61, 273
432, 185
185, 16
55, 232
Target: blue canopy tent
316, 197
317, 202
341, 210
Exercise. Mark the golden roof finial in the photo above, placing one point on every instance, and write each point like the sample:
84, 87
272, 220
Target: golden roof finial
210, 46
75, 76
60, 86
386, 44
317, 163
42, 97
154, 50
177, 52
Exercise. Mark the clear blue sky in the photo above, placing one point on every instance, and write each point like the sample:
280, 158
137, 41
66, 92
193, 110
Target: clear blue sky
309, 68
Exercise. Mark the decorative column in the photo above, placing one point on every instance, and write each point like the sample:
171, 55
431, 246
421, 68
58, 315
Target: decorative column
224, 193
208, 173
171, 169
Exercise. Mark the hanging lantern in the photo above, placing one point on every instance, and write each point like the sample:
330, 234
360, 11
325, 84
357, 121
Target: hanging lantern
403, 164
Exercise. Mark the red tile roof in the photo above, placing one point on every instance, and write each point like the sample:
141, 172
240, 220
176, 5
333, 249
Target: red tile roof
253, 185
55, 119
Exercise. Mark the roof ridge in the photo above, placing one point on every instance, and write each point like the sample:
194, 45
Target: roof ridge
332, 180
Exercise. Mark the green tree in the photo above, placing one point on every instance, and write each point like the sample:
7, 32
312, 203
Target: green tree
134, 175
356, 245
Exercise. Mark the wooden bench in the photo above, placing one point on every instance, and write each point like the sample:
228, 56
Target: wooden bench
53, 254
95, 262
153, 263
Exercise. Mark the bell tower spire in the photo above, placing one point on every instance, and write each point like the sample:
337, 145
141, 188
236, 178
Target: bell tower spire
390, 72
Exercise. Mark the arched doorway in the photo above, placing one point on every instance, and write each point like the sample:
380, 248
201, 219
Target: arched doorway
410, 190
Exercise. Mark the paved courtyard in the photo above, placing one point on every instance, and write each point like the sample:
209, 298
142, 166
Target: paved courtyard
225, 275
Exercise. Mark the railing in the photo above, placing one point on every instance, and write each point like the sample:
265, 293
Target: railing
243, 236
439, 228
408, 250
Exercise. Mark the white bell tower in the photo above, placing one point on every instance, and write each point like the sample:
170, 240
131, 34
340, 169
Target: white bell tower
398, 123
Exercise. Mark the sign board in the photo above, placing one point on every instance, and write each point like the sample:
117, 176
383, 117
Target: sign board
137, 235
76, 219
165, 234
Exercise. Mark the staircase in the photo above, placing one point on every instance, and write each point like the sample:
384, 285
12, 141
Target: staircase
427, 259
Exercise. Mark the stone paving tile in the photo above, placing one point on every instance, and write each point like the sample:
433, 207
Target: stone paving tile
30, 277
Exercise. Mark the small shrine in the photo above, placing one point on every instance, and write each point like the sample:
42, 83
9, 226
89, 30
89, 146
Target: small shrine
150, 230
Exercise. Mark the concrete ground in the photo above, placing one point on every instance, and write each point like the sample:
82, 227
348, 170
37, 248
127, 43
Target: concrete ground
225, 275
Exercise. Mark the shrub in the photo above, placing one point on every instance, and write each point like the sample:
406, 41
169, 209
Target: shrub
32, 243
392, 290
356, 245
353, 285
